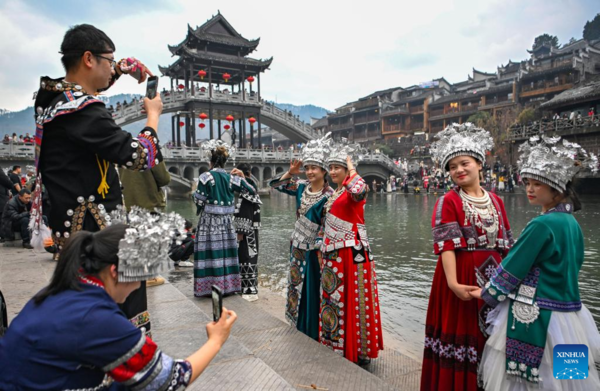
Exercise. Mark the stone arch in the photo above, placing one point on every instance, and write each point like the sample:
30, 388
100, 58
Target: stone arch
202, 169
267, 173
188, 173
279, 170
255, 172
174, 170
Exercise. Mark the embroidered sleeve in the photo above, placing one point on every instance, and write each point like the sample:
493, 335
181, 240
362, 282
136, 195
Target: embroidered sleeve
97, 132
357, 187
241, 185
205, 184
535, 243
446, 231
287, 186
145, 367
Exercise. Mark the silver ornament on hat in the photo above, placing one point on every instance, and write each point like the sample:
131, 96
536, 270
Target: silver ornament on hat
316, 152
210, 146
148, 238
461, 140
341, 150
552, 162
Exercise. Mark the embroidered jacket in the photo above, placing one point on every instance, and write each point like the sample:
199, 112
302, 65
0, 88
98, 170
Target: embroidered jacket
247, 212
345, 221
451, 231
308, 230
548, 256
214, 193
77, 145
74, 338
539, 275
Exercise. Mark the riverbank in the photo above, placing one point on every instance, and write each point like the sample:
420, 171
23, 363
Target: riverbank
263, 352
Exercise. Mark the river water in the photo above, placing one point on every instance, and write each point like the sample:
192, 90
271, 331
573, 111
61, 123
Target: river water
399, 228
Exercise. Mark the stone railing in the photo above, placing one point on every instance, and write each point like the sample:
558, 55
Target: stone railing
384, 160
559, 126
176, 99
256, 155
17, 150
289, 119
264, 156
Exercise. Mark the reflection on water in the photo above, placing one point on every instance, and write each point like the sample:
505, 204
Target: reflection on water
399, 227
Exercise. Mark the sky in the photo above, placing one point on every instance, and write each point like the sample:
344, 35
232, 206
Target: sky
325, 53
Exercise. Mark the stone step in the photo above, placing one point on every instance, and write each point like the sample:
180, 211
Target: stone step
264, 352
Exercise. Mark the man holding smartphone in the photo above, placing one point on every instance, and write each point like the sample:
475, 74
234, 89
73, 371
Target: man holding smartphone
78, 144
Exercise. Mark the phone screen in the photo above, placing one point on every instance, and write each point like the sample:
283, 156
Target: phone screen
217, 302
152, 87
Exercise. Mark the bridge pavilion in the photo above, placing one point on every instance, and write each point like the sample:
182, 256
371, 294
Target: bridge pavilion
213, 60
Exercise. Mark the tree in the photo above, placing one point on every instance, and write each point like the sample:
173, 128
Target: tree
526, 116
591, 30
383, 148
552, 40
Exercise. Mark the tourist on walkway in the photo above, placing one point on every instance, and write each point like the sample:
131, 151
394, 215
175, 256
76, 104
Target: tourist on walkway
72, 334
247, 223
216, 249
470, 234
540, 279
5, 186
15, 177
350, 320
78, 143
303, 288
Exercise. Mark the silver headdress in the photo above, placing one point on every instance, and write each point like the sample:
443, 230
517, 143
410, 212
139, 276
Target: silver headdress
146, 243
340, 151
460, 140
209, 146
316, 152
549, 161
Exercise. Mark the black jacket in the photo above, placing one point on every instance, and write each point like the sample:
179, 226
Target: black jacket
5, 186
14, 211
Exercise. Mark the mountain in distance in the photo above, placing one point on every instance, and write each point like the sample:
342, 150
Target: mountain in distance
22, 122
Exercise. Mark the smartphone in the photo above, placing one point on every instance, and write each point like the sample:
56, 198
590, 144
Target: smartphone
152, 87
217, 299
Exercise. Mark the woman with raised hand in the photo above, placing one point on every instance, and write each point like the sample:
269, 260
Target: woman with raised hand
471, 234
216, 247
72, 334
303, 295
535, 291
350, 314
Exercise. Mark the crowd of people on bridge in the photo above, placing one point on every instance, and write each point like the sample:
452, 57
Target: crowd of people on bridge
497, 307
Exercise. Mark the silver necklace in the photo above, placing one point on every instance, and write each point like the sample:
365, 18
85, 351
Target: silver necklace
480, 212
309, 199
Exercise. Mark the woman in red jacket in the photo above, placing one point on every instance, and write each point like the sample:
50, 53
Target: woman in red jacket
350, 318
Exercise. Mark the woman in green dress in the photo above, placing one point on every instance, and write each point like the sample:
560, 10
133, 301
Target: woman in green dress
216, 248
304, 281
535, 290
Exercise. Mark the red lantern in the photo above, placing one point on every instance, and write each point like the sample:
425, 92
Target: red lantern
227, 127
201, 125
229, 118
181, 124
252, 120
181, 86
203, 116
250, 79
201, 73
226, 77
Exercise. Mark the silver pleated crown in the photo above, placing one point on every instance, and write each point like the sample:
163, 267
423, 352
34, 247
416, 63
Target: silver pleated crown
549, 161
460, 140
316, 152
341, 150
147, 240
209, 146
